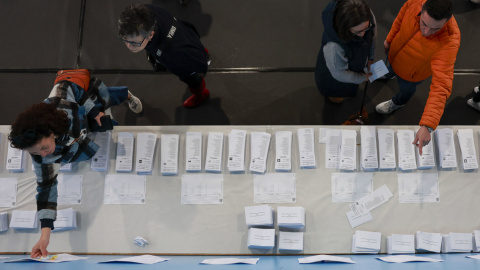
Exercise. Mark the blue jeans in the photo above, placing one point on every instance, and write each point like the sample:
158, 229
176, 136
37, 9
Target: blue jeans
406, 88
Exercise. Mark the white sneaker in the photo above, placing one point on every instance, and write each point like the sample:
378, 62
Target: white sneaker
134, 103
474, 104
475, 89
387, 107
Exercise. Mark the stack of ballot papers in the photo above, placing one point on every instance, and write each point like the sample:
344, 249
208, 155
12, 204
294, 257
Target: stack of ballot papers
446, 148
261, 215
259, 145
193, 151
291, 217
348, 150
333, 140
236, 151
366, 242
368, 138
66, 220
146, 145
142, 259
15, 160
169, 154
406, 150
68, 167
101, 159
467, 148
231, 261
306, 148
290, 241
431, 242
58, 258
386, 149
214, 158
325, 258
24, 219
8, 192
283, 151
407, 258
426, 160
401, 244
261, 238
124, 160
476, 241
457, 242
3, 221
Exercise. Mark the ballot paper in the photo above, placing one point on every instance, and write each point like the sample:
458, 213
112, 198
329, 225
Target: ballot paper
290, 241
261, 215
418, 187
69, 189
427, 159
406, 150
325, 258
146, 145
274, 188
446, 148
425, 241
322, 135
202, 189
124, 160
476, 257
407, 258
261, 238
371, 201
333, 141
142, 259
386, 149
457, 242
476, 241
8, 191
231, 261
15, 160
306, 148
349, 187
66, 220
378, 69
193, 151
283, 151
348, 150
358, 219
3, 221
259, 144
368, 138
169, 154
214, 160
366, 242
101, 159
24, 219
236, 151
401, 244
68, 167
58, 258
467, 149
124, 189
291, 217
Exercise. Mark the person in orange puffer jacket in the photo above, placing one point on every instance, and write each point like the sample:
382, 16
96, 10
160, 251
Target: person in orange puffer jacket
423, 42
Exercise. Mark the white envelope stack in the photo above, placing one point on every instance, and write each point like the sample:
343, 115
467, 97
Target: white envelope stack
290, 241
366, 242
261, 238
261, 215
457, 242
291, 217
66, 220
24, 219
401, 244
3, 221
431, 242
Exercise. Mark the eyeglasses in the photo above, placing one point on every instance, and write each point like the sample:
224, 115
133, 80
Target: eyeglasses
133, 43
364, 30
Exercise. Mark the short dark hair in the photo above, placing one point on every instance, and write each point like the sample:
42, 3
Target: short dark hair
37, 122
136, 20
347, 14
439, 9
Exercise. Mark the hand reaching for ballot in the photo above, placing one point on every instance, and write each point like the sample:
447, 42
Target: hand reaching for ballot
422, 138
40, 248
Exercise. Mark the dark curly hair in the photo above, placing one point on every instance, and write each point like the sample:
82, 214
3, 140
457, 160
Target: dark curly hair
37, 122
136, 20
350, 13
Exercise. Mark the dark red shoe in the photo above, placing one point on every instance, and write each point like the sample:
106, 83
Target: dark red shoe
196, 99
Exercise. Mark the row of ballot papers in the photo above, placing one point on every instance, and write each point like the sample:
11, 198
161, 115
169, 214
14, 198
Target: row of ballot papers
265, 239
66, 220
287, 217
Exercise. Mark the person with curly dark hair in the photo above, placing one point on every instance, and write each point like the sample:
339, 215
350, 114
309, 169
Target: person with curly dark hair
54, 133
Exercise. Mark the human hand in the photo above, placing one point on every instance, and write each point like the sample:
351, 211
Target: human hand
97, 118
386, 46
422, 138
40, 248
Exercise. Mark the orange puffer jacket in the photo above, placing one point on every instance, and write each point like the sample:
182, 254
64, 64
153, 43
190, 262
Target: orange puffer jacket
414, 57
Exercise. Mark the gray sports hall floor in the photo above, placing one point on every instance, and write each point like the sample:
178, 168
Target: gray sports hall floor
263, 55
